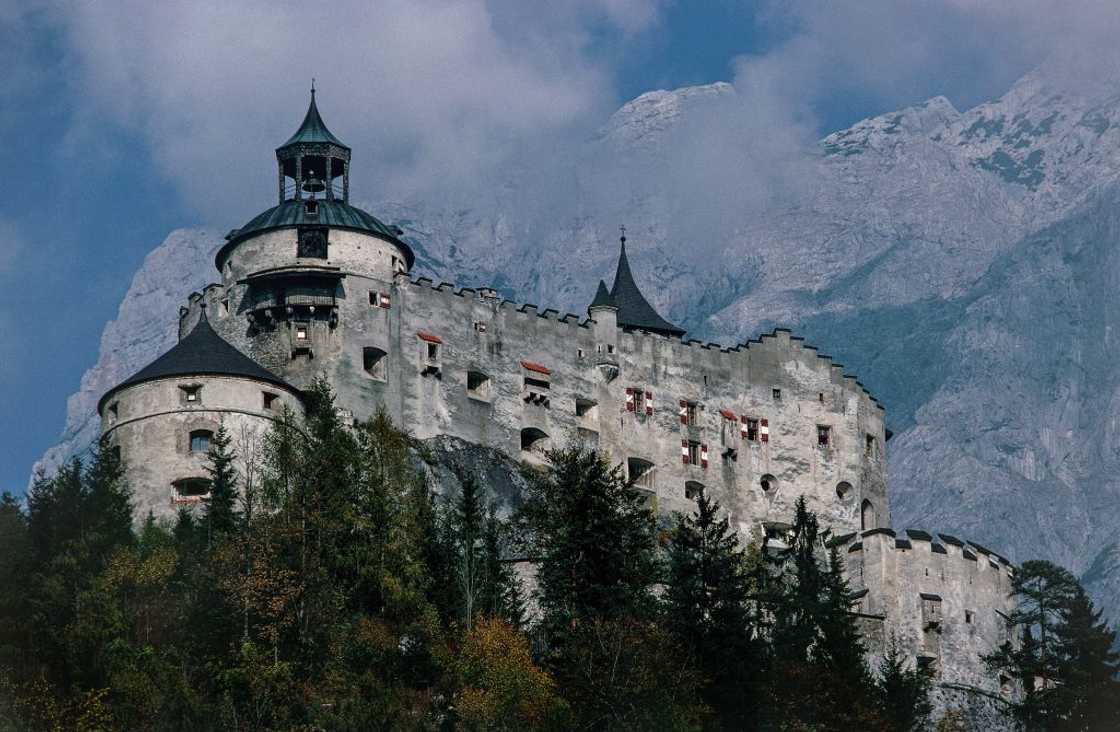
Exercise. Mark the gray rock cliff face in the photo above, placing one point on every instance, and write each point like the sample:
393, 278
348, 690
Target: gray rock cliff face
963, 264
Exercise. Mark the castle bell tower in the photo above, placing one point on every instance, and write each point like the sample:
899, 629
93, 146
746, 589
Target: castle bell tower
313, 161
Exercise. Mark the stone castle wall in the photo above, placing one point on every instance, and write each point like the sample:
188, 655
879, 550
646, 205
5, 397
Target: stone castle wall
535, 366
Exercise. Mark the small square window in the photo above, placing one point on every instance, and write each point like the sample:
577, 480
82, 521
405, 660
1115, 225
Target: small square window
777, 394
824, 435
200, 440
301, 332
752, 429
968, 616
269, 400
373, 362
190, 394
586, 408
479, 326
478, 385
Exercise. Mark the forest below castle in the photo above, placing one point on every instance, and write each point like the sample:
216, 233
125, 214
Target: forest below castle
324, 585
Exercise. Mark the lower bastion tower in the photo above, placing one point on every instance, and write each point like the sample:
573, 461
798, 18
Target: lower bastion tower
316, 287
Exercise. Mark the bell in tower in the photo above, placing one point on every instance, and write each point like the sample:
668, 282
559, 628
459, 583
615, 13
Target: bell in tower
313, 161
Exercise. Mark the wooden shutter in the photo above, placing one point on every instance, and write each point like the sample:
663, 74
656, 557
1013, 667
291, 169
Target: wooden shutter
704, 457
764, 430
743, 426
649, 403
684, 451
383, 300
629, 400
684, 412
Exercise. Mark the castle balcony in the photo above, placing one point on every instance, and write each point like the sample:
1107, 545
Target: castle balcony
283, 292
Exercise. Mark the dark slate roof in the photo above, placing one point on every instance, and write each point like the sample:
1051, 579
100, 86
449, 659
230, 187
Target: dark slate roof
902, 544
918, 535
937, 549
333, 214
602, 297
879, 530
950, 539
313, 129
201, 353
634, 311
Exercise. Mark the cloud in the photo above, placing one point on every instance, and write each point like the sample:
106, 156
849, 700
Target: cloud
425, 91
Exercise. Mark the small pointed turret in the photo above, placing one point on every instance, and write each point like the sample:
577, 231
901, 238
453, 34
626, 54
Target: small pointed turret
602, 298
634, 311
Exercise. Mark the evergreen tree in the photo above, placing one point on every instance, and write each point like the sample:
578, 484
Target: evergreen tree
594, 538
1088, 687
501, 588
220, 512
707, 608
903, 693
469, 525
15, 561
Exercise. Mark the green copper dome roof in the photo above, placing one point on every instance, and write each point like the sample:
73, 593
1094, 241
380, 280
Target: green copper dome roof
333, 214
313, 129
201, 353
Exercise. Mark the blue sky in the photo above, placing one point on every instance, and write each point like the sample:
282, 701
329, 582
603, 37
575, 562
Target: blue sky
122, 121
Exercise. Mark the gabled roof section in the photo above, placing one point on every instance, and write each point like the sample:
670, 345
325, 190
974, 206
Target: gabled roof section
634, 311
313, 128
201, 353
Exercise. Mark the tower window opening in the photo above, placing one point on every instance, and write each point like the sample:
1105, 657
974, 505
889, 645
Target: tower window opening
268, 400
478, 385
192, 489
968, 616
479, 326
866, 516
777, 394
871, 446
311, 208
610, 348
843, 490
433, 351
200, 440
114, 412
768, 483
693, 489
752, 429
301, 332
190, 394
824, 435
373, 362
820, 397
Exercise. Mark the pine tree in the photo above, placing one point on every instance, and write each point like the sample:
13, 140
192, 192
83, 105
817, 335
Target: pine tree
468, 522
594, 538
1087, 689
15, 561
501, 588
220, 512
903, 693
707, 608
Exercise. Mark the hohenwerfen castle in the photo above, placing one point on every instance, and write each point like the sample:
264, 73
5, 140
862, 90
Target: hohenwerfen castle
316, 287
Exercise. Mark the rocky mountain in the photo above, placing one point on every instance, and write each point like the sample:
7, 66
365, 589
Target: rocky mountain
963, 264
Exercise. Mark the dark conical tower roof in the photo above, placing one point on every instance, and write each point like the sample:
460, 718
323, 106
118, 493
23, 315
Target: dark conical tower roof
634, 311
201, 353
313, 128
602, 298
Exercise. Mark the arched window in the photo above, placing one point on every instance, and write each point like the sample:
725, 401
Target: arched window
843, 490
478, 385
534, 440
200, 440
373, 361
867, 516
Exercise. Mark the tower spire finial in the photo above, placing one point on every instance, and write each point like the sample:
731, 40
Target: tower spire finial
312, 88
622, 230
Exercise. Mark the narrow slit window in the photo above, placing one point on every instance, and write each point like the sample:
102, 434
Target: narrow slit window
777, 394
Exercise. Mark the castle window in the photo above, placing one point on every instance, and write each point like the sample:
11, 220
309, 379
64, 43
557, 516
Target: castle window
479, 326
312, 242
693, 489
610, 348
694, 453
433, 351
478, 385
968, 616
579, 353
871, 447
820, 397
373, 362
534, 440
587, 408
269, 400
730, 456
200, 440
311, 209
432, 345
750, 429
689, 412
301, 332
639, 400
824, 435
931, 610
768, 483
189, 490
640, 472
843, 490
866, 516
537, 383
379, 300
113, 412
777, 394
190, 394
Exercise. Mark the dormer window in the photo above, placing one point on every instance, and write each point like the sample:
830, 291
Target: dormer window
311, 209
190, 394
